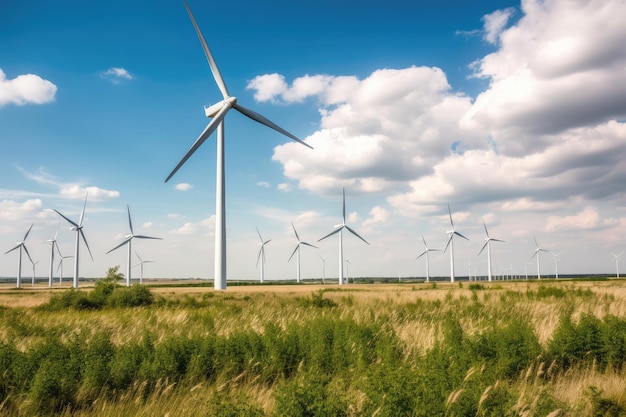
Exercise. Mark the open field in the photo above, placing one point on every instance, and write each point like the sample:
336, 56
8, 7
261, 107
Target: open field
528, 348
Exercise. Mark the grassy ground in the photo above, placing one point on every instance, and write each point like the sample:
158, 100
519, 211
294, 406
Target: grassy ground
506, 348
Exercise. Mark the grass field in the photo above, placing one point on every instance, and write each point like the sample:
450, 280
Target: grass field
527, 348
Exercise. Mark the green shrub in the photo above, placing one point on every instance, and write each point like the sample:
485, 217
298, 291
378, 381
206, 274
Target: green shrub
308, 396
134, 296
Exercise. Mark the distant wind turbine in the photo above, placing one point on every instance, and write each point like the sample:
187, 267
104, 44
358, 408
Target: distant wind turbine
127, 241
487, 245
217, 112
348, 272
339, 229
78, 228
140, 265
53, 244
536, 254
21, 245
297, 249
34, 266
60, 267
323, 269
261, 255
555, 257
617, 261
452, 232
426, 251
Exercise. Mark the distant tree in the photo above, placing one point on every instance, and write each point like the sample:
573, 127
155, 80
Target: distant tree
114, 274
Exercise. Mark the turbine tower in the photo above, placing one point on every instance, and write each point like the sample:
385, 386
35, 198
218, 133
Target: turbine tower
261, 255
323, 269
617, 261
21, 245
127, 241
487, 244
426, 251
452, 232
217, 112
536, 254
60, 267
140, 264
297, 249
32, 284
78, 228
339, 229
53, 243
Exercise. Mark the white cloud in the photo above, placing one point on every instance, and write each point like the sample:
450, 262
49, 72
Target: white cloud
264, 184
173, 216
285, 187
26, 89
186, 229
13, 211
116, 75
205, 226
378, 216
589, 218
494, 24
183, 186
147, 225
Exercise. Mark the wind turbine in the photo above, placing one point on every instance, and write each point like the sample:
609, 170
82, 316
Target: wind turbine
617, 261
339, 229
128, 240
555, 257
53, 243
78, 228
261, 255
426, 251
348, 272
34, 265
323, 269
140, 264
21, 245
536, 254
487, 245
452, 232
297, 249
217, 112
60, 267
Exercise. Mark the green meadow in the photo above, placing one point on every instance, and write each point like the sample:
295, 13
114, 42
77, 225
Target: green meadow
529, 348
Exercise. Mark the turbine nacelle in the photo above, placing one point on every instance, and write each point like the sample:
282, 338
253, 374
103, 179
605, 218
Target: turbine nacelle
212, 110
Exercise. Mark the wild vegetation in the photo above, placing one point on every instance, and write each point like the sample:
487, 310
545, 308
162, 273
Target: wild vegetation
503, 349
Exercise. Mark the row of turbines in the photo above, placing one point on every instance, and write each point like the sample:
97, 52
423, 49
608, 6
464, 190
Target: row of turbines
78, 228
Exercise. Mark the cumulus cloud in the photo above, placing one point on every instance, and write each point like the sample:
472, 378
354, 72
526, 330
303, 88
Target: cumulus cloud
13, 210
494, 24
378, 216
284, 187
204, 226
588, 218
26, 89
116, 75
183, 186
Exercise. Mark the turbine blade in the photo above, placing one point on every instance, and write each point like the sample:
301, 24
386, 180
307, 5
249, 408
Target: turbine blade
263, 120
259, 255
497, 240
203, 136
447, 244
259, 233
28, 254
343, 192
421, 254
266, 242
450, 214
86, 244
308, 244
118, 246
294, 252
130, 222
57, 233
68, 220
12, 249
294, 230
54, 243
147, 237
356, 234
485, 226
207, 52
536, 244
82, 213
483, 248
140, 260
26, 235
458, 234
332, 233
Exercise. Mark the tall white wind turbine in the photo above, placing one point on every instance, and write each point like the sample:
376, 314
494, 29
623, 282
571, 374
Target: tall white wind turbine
297, 249
452, 232
339, 229
487, 245
127, 241
617, 261
140, 264
217, 112
426, 251
21, 245
261, 255
53, 244
536, 254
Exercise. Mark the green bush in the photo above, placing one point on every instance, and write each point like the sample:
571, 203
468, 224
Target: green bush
134, 296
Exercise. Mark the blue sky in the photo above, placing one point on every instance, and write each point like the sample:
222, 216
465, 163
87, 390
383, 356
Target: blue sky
509, 112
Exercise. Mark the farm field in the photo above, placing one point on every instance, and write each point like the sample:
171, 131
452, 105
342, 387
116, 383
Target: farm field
526, 348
